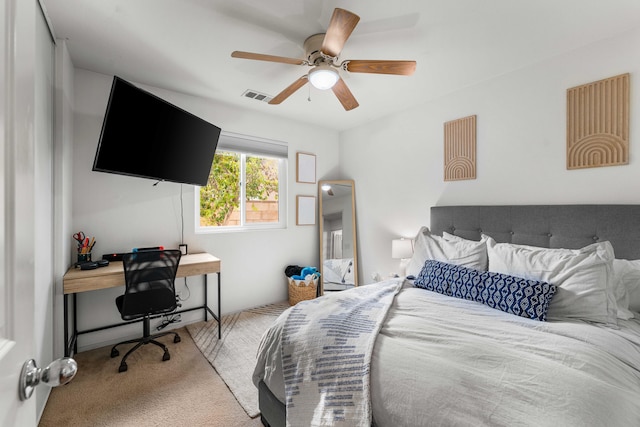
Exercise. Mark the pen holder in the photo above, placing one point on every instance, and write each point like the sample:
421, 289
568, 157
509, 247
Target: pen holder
84, 257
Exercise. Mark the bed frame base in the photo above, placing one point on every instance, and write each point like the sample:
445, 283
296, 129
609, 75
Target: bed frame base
273, 413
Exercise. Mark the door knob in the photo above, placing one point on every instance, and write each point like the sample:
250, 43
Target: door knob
58, 372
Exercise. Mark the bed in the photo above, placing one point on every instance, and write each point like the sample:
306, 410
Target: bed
438, 359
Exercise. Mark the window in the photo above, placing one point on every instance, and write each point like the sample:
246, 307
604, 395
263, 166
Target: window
246, 187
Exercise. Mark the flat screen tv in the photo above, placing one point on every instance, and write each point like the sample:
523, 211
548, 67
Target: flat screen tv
145, 136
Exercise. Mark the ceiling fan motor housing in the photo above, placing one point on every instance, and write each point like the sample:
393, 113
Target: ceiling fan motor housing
312, 47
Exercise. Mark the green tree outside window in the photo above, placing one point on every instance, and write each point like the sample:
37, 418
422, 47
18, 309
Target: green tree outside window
221, 196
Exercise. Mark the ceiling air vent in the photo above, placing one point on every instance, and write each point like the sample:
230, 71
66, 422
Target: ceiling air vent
258, 96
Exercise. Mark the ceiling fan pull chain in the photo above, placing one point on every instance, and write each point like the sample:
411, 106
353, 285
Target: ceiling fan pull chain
309, 97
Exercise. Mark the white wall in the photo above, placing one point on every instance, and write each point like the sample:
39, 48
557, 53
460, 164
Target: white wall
397, 163
124, 212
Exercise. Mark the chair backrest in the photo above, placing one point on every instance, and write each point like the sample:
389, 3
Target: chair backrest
153, 274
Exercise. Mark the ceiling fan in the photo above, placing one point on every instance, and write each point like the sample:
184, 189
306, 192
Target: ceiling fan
322, 55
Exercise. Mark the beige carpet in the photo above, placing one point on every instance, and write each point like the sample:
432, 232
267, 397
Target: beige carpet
234, 357
181, 391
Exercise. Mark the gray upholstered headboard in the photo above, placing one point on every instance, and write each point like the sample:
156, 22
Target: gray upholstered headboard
549, 226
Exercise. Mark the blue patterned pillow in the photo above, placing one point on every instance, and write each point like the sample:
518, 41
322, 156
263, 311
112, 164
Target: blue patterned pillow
515, 295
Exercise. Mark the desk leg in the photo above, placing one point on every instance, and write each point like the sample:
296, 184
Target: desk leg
217, 317
66, 325
206, 298
74, 337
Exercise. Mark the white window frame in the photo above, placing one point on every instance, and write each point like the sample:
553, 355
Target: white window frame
250, 146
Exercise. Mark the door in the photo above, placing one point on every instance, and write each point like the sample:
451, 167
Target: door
17, 64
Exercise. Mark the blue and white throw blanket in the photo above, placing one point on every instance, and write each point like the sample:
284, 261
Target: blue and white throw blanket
326, 355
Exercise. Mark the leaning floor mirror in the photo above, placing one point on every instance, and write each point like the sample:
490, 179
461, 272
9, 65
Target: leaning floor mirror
338, 252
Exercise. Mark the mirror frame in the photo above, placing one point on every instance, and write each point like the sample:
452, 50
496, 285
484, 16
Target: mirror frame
353, 227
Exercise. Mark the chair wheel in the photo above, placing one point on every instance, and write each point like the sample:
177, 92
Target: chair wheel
115, 352
176, 339
123, 367
166, 356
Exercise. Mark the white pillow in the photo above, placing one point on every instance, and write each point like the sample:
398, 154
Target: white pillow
583, 277
627, 287
475, 252
427, 246
453, 238
423, 249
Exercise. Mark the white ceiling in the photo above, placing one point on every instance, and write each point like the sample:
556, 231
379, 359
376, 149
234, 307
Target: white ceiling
185, 45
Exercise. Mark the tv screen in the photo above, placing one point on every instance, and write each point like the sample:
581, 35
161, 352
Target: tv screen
145, 136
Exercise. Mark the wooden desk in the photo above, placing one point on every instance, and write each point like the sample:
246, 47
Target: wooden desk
76, 281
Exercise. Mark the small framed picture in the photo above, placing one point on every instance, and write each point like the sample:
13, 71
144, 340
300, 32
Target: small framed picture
305, 210
306, 168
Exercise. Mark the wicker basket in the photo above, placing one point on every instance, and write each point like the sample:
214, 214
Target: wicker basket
301, 290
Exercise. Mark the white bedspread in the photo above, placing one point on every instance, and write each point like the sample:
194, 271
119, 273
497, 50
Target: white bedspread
441, 361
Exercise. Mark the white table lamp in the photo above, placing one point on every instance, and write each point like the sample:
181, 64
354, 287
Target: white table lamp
402, 249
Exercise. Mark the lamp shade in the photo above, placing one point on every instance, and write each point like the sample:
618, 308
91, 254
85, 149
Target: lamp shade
323, 77
401, 248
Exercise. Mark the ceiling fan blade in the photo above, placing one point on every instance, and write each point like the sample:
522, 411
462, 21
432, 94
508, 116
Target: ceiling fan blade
289, 90
344, 95
403, 68
340, 28
270, 58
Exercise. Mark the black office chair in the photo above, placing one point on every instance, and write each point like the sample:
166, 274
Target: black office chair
150, 291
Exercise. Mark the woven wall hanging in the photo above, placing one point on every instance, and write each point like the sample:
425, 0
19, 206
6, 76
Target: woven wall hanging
598, 123
460, 149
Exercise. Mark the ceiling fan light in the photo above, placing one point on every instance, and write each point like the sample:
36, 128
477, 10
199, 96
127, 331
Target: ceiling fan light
323, 77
